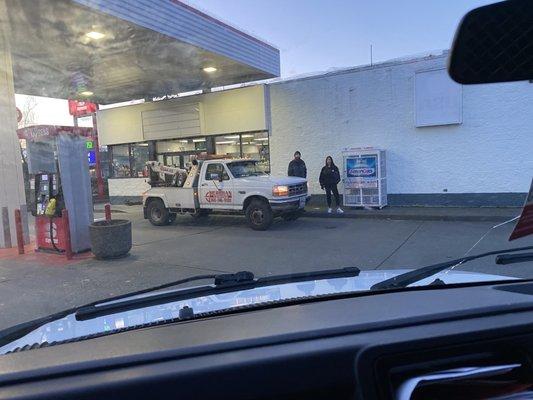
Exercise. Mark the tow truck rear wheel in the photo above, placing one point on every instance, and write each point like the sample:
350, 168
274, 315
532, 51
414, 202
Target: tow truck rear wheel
259, 215
158, 214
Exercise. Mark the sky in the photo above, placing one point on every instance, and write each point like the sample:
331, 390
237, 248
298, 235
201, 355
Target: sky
317, 35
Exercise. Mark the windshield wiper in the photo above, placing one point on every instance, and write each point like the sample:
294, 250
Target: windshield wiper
503, 259
223, 283
408, 278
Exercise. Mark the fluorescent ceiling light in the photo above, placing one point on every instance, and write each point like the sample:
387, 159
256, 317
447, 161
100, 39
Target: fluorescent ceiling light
231, 137
95, 35
261, 139
248, 135
86, 93
227, 142
198, 140
210, 70
184, 141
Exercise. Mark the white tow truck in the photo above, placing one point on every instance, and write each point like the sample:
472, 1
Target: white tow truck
227, 186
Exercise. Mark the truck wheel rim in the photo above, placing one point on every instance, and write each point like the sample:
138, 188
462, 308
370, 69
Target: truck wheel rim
156, 214
257, 216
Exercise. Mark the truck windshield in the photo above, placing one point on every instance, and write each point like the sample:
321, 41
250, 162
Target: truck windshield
241, 169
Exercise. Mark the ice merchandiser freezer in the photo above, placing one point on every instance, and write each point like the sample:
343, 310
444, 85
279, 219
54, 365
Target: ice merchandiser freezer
364, 176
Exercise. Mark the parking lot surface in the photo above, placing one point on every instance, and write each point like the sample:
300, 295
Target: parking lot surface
38, 284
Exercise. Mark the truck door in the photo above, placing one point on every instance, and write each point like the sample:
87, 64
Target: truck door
215, 193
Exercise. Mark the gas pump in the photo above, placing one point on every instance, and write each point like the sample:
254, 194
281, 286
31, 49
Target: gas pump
59, 174
48, 201
49, 204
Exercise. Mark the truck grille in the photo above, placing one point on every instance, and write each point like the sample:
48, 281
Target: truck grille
295, 190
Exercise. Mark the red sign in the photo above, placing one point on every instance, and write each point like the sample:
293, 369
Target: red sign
219, 196
38, 132
42, 227
524, 226
80, 108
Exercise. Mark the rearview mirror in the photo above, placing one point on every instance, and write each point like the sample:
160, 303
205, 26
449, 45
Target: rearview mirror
494, 43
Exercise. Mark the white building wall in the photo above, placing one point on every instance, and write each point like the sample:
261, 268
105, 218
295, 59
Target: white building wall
491, 151
235, 110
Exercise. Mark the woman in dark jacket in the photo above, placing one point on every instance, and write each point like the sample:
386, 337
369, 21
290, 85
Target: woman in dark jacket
329, 178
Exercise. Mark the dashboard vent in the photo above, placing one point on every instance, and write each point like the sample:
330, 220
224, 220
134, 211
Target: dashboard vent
483, 370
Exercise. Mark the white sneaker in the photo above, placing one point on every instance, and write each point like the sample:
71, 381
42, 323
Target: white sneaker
339, 210
329, 210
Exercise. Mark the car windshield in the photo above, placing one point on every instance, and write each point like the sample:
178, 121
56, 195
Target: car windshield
240, 169
122, 129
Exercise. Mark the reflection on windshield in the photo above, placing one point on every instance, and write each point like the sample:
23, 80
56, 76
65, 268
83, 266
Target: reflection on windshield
69, 327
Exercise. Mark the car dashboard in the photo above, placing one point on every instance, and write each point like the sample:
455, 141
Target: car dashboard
387, 345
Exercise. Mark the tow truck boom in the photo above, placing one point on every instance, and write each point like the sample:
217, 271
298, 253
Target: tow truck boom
163, 175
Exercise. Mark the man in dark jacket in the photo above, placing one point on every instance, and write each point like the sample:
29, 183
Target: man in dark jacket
297, 166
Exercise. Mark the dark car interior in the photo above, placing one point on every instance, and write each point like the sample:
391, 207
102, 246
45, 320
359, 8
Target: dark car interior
365, 346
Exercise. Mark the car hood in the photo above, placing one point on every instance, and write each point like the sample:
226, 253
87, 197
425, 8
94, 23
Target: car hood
274, 180
69, 328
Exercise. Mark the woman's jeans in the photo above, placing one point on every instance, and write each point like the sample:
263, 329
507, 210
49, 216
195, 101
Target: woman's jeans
329, 189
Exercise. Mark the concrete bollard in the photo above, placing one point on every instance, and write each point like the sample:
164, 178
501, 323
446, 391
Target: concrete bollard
107, 208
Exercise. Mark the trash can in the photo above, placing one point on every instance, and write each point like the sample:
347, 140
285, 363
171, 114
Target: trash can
110, 239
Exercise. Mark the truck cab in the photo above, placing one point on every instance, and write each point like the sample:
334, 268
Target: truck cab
226, 186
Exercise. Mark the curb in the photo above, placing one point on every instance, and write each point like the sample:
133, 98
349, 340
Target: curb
410, 217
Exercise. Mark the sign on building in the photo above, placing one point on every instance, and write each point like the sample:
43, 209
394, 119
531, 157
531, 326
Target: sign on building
438, 99
79, 108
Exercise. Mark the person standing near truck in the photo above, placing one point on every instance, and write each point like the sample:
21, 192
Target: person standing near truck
297, 166
329, 178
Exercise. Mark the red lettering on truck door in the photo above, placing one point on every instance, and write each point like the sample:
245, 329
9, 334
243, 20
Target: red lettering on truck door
219, 196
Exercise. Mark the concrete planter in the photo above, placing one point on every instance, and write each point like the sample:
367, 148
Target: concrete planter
110, 239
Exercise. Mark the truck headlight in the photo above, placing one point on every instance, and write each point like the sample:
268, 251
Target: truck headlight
280, 190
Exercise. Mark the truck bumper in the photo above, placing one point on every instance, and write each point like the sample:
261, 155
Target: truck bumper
288, 205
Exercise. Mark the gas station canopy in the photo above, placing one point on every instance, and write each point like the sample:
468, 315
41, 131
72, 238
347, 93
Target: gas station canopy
109, 51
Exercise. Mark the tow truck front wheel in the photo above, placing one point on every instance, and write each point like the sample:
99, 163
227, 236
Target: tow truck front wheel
158, 214
259, 215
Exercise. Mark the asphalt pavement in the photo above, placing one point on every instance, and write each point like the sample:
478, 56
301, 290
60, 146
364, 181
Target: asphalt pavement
38, 284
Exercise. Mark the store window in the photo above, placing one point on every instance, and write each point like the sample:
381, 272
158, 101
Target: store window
228, 145
255, 146
121, 161
129, 160
175, 146
140, 155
